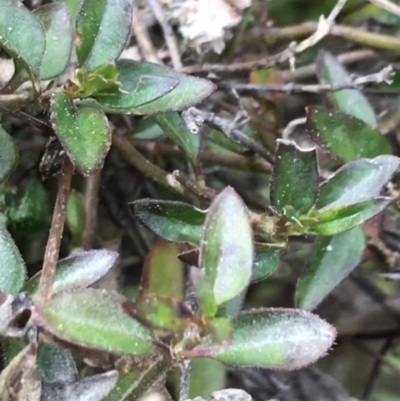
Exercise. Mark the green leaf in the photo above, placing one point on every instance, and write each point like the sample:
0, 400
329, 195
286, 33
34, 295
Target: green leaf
173, 221
204, 292
349, 101
56, 364
226, 252
221, 330
83, 131
94, 319
357, 181
157, 313
345, 136
184, 90
76, 217
77, 271
333, 259
103, 79
163, 272
22, 34
265, 263
73, 7
274, 339
136, 89
104, 28
59, 30
12, 267
295, 178
206, 376
8, 156
233, 307
147, 129
30, 213
342, 218
132, 385
174, 127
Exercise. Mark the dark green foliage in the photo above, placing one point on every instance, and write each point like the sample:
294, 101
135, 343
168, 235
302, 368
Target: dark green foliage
232, 226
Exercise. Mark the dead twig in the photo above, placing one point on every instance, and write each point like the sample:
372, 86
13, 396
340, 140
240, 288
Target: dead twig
311, 69
145, 45
387, 5
168, 33
230, 161
322, 28
184, 381
231, 131
385, 75
55, 235
376, 369
358, 35
175, 181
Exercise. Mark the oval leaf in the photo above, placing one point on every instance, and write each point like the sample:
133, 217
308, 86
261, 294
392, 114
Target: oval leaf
204, 292
12, 267
186, 91
77, 271
173, 221
103, 27
357, 181
345, 136
350, 101
206, 376
83, 131
163, 273
136, 89
8, 155
158, 313
265, 263
29, 212
226, 252
94, 319
22, 34
174, 127
274, 339
333, 259
57, 23
343, 218
56, 364
147, 129
295, 178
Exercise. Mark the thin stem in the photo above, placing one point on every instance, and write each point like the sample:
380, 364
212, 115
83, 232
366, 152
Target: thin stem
55, 235
175, 181
358, 35
385, 75
184, 382
142, 36
90, 193
168, 33
376, 369
230, 161
13, 84
311, 69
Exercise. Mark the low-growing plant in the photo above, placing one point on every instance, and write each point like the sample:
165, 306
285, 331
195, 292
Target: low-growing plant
189, 304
